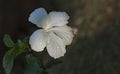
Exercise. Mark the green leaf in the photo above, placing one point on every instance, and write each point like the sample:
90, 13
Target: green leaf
25, 40
8, 61
11, 54
20, 47
8, 41
31, 65
52, 63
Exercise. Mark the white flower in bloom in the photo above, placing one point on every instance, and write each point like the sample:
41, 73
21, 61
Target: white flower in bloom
54, 35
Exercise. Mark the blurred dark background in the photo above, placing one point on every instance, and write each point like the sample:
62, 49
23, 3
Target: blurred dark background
96, 47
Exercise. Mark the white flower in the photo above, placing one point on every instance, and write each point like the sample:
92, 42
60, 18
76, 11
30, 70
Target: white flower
54, 35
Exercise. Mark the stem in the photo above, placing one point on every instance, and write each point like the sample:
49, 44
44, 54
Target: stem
40, 59
42, 65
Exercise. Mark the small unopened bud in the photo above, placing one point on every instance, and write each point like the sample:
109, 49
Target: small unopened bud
74, 30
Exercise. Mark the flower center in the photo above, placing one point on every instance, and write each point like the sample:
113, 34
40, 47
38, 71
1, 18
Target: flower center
47, 30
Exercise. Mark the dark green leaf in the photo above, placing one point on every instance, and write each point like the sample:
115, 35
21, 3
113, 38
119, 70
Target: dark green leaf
31, 65
20, 47
25, 40
8, 61
10, 55
8, 41
52, 63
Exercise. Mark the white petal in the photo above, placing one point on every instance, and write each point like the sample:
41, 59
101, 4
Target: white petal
38, 40
38, 16
55, 47
65, 33
57, 19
